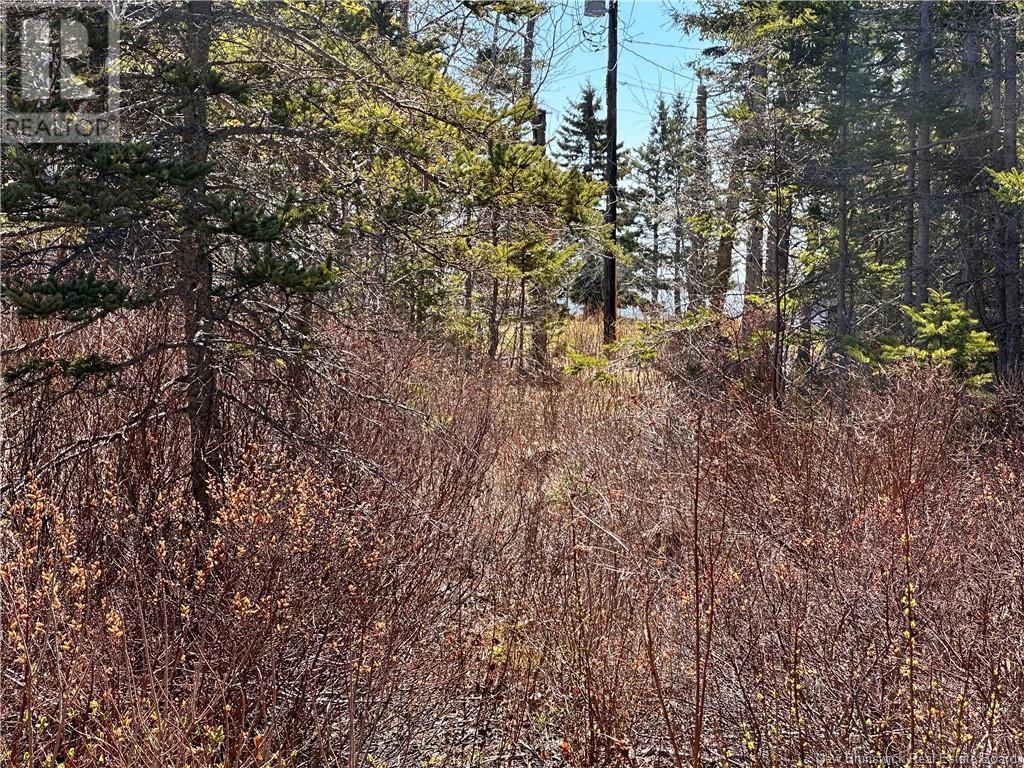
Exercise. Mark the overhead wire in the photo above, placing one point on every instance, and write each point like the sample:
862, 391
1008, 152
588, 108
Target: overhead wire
642, 95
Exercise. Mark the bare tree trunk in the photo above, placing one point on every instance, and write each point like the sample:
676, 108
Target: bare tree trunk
734, 188
923, 267
777, 264
910, 175
1009, 272
843, 266
695, 273
677, 260
996, 90
723, 256
493, 319
755, 254
197, 269
542, 304
754, 271
971, 158
777, 260
521, 330
528, 45
995, 161
655, 251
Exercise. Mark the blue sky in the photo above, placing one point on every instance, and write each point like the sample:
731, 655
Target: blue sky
655, 56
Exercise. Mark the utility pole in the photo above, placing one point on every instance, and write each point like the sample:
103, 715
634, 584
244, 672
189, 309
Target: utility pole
608, 285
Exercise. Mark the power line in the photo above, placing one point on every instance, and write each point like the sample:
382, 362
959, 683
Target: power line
636, 41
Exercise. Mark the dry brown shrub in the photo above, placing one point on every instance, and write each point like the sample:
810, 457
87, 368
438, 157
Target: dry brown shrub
420, 561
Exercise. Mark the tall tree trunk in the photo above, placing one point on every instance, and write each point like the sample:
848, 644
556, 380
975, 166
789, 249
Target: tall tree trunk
910, 222
493, 317
723, 255
493, 320
197, 269
843, 266
995, 161
521, 330
777, 260
971, 157
696, 269
755, 233
726, 241
996, 90
677, 263
1009, 272
922, 261
528, 45
777, 265
543, 307
755, 253
656, 245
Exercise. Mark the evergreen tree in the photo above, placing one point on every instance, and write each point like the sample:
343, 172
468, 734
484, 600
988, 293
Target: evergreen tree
946, 334
659, 165
582, 136
582, 146
279, 166
872, 153
117, 207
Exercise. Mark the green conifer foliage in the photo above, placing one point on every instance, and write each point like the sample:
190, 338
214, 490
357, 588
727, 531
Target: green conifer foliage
945, 333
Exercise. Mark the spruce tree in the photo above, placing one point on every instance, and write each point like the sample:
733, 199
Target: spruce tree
651, 197
582, 136
582, 146
267, 151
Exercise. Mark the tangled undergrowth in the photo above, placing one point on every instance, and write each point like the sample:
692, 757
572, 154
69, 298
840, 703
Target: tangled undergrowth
452, 567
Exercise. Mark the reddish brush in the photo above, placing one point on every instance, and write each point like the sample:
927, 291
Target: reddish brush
454, 568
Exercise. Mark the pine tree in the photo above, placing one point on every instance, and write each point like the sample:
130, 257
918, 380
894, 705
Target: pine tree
651, 197
122, 199
269, 151
582, 136
945, 333
581, 145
